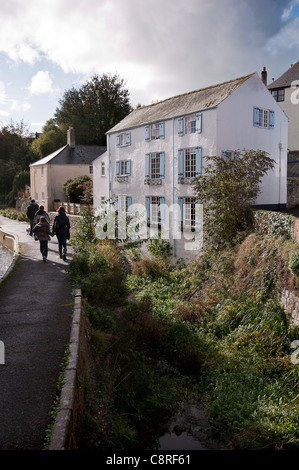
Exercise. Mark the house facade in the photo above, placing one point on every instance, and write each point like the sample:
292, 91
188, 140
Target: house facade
49, 174
154, 154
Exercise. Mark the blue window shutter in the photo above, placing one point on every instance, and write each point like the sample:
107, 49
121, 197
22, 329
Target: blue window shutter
198, 122
116, 203
128, 138
128, 167
117, 140
162, 164
117, 168
147, 165
198, 161
180, 204
256, 118
129, 201
162, 208
181, 126
181, 163
147, 206
223, 154
147, 133
161, 130
271, 119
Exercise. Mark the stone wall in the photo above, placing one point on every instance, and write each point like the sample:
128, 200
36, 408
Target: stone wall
293, 192
290, 303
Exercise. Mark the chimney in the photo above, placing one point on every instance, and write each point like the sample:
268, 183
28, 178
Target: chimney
71, 137
264, 76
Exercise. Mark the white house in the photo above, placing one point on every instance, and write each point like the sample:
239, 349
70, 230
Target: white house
154, 153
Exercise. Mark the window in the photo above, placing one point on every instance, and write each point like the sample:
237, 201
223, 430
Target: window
189, 162
122, 203
103, 169
90, 169
155, 131
43, 196
154, 165
278, 94
123, 139
155, 209
123, 168
42, 171
263, 118
187, 212
190, 124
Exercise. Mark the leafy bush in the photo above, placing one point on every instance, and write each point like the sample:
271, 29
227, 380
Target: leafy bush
14, 214
294, 262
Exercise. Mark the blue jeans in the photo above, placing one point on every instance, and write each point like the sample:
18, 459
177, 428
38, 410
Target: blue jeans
31, 226
44, 248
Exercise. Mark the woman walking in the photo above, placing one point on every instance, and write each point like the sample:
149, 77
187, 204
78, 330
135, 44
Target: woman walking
42, 233
61, 227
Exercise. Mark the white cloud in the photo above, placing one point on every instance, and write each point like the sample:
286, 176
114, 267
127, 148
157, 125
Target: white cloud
159, 47
17, 105
41, 83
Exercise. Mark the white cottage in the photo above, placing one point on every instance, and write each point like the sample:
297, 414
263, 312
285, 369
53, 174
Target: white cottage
155, 152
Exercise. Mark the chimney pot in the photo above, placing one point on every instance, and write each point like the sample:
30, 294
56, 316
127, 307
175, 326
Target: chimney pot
264, 76
71, 137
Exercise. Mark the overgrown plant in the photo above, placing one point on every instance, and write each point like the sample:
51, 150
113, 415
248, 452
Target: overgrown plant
227, 190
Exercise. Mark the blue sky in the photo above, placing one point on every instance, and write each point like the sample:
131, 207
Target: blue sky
159, 47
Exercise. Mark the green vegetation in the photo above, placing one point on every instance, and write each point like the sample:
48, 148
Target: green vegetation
14, 214
161, 333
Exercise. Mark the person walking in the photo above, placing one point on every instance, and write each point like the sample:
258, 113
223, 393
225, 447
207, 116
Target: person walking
42, 233
41, 212
31, 210
61, 227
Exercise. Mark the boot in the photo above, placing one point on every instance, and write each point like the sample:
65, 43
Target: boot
64, 254
60, 252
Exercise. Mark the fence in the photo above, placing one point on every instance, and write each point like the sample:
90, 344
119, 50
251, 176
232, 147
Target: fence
72, 208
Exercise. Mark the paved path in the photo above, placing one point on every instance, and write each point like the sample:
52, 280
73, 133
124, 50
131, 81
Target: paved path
36, 306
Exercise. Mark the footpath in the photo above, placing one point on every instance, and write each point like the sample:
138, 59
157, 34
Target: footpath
36, 307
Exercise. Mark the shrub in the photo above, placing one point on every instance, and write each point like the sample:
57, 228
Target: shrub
294, 262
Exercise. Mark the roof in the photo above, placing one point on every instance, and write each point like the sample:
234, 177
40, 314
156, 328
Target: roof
79, 155
180, 105
286, 79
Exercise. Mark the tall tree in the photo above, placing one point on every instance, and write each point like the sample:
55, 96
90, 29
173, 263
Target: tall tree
93, 109
51, 139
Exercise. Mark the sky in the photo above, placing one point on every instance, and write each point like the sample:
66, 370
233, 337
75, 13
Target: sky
160, 48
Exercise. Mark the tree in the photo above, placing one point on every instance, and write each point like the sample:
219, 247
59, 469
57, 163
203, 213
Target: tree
75, 188
94, 108
15, 153
227, 191
51, 139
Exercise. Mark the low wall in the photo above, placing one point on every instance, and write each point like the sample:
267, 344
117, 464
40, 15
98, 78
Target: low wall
9, 241
67, 424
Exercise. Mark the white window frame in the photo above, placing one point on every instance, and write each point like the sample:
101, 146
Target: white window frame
190, 124
189, 163
103, 169
123, 167
189, 213
155, 168
155, 131
91, 169
155, 213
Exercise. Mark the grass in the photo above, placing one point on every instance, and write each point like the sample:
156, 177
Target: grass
217, 328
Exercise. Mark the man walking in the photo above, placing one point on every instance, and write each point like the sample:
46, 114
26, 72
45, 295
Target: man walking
31, 210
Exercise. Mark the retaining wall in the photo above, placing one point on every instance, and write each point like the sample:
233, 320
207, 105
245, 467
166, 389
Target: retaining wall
68, 421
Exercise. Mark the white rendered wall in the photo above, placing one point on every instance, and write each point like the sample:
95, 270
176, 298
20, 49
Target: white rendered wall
235, 130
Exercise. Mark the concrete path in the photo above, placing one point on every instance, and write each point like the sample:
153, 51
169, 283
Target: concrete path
36, 306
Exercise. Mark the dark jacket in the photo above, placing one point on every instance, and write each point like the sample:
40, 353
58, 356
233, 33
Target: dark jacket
31, 210
61, 226
42, 230
40, 214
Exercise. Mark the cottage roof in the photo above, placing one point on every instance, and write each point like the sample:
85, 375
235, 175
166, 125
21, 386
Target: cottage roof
286, 79
180, 105
78, 155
